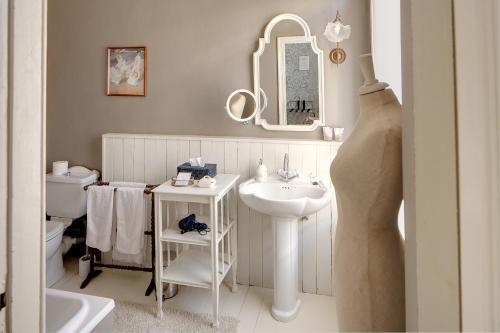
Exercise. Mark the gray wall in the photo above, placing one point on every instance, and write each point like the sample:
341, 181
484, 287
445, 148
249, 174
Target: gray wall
198, 53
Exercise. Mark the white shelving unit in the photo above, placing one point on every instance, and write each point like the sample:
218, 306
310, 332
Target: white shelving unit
194, 265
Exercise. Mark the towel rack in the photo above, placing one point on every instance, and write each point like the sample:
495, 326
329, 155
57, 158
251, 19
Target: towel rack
96, 254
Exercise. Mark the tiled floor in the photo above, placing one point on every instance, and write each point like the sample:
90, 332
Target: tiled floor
251, 305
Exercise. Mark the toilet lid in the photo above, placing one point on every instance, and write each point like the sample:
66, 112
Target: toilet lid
52, 229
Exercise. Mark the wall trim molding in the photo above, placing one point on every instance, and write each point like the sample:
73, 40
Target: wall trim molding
222, 138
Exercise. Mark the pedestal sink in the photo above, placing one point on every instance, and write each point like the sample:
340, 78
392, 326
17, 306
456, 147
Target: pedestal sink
286, 202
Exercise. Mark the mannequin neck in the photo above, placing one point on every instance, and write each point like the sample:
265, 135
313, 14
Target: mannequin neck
375, 99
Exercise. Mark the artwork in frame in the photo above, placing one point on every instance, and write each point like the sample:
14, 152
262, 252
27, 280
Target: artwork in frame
126, 71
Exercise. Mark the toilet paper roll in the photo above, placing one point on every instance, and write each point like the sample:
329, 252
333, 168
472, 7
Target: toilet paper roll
84, 266
59, 168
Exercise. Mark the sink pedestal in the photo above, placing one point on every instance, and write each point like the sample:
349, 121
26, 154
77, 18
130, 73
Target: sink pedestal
286, 301
297, 198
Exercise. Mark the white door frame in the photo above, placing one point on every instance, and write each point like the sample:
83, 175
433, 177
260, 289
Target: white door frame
451, 73
430, 167
22, 151
3, 156
477, 44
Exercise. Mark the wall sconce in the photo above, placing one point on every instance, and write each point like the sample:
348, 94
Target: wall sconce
336, 32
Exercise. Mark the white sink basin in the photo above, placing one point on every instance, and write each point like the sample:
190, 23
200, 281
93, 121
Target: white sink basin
286, 202
296, 198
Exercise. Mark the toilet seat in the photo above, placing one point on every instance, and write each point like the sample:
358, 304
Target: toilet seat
52, 229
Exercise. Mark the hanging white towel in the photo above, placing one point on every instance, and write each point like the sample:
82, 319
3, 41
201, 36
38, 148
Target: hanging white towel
99, 217
130, 210
131, 258
128, 184
128, 258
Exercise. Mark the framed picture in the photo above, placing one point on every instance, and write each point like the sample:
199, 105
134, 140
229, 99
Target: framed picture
126, 71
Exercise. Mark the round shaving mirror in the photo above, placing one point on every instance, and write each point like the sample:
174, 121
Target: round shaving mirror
241, 105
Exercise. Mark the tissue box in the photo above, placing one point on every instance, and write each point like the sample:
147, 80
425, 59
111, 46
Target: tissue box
198, 172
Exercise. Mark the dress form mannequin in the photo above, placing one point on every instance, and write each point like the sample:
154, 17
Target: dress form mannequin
367, 176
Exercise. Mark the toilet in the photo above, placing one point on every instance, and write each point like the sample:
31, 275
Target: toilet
66, 201
53, 252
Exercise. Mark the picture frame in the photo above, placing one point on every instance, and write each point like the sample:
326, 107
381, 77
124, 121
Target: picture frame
126, 71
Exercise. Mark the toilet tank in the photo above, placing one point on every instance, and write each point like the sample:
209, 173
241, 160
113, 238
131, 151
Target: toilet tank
65, 195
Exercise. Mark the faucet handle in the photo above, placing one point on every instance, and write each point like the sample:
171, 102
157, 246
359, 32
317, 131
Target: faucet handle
313, 179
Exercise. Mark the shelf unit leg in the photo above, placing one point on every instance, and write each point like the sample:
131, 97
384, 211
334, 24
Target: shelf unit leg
159, 256
215, 261
234, 249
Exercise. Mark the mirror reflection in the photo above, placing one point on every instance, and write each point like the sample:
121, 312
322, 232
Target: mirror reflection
290, 74
298, 82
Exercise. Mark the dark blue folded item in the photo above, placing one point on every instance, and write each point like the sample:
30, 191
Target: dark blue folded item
189, 224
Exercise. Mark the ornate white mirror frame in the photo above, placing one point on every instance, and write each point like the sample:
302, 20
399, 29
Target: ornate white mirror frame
256, 74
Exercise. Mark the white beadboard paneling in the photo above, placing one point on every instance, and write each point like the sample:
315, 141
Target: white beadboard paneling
182, 152
231, 157
139, 160
195, 148
107, 159
149, 158
118, 159
154, 159
218, 156
128, 159
172, 160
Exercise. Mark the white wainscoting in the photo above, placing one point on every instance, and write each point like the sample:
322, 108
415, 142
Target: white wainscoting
154, 158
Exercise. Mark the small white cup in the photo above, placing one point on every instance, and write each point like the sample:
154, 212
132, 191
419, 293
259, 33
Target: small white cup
339, 134
327, 133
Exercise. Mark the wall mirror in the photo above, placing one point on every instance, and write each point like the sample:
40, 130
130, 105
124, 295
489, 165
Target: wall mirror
288, 69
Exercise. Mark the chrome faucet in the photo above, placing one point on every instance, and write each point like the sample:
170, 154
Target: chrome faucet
286, 162
285, 173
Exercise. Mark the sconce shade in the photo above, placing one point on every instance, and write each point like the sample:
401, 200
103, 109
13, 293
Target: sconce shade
336, 31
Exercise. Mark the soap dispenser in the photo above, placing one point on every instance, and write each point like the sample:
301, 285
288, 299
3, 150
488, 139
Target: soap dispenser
261, 172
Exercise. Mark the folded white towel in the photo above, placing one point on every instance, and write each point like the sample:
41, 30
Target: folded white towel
127, 184
130, 213
99, 217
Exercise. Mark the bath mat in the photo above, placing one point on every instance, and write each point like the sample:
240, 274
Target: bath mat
132, 317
